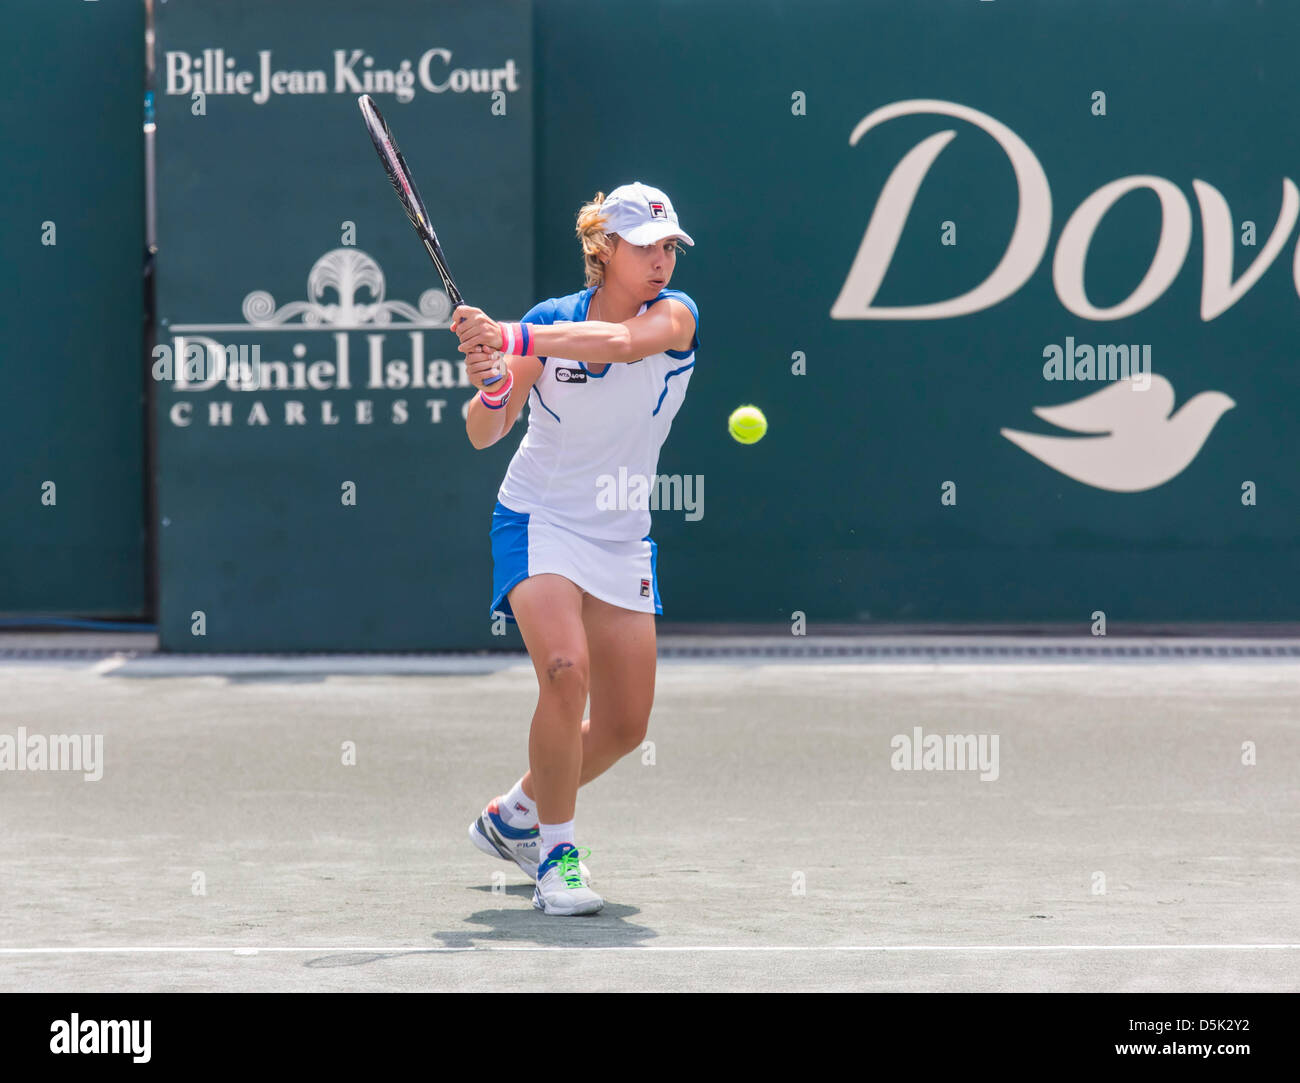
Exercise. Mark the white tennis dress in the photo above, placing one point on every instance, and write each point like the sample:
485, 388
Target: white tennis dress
575, 499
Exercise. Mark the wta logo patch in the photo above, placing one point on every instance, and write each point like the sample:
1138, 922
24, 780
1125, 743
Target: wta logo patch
657, 210
570, 376
645, 588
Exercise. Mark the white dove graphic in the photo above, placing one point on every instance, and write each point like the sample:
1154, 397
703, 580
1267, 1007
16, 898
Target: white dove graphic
1143, 447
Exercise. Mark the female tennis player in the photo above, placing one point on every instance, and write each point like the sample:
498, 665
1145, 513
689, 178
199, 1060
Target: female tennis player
604, 372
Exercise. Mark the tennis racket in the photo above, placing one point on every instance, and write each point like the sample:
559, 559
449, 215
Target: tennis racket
399, 175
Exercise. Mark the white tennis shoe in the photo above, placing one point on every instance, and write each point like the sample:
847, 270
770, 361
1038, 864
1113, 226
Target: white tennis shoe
522, 845
561, 886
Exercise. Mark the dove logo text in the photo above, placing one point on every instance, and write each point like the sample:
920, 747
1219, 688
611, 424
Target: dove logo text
1033, 227
1105, 362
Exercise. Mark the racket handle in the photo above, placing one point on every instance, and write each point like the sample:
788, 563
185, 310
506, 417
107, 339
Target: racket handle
458, 301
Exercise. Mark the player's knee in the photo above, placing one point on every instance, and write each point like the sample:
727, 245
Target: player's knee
566, 674
630, 731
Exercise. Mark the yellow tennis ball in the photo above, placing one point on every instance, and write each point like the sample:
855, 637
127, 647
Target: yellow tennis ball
747, 424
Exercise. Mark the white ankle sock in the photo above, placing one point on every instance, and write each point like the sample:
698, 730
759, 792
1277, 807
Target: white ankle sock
553, 835
518, 809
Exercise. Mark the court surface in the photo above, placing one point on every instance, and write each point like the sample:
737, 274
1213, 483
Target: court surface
770, 845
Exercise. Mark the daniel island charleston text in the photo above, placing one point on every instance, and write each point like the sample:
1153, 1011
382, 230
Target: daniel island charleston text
195, 364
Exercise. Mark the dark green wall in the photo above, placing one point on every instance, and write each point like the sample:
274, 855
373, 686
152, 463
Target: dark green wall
837, 512
70, 314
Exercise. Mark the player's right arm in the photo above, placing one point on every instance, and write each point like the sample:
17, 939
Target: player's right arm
484, 425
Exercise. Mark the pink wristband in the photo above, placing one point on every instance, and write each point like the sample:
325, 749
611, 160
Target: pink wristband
496, 399
516, 340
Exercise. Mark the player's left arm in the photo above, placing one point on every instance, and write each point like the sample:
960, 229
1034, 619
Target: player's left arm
666, 325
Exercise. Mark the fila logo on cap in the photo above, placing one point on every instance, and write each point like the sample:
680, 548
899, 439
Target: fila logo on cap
657, 211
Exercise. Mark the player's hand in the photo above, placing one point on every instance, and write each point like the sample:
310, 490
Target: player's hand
481, 364
474, 327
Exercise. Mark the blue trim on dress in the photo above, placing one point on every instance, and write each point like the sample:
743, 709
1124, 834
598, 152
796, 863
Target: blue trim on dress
509, 557
654, 573
664, 392
543, 402
677, 295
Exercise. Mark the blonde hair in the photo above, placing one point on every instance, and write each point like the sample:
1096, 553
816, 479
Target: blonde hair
595, 241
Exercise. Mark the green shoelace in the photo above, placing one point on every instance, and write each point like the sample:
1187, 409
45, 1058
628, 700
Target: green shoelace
570, 872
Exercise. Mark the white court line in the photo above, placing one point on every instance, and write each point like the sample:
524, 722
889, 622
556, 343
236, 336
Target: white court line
409, 948
924, 665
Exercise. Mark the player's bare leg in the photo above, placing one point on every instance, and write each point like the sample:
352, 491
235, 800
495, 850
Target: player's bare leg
621, 647
623, 663
549, 611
